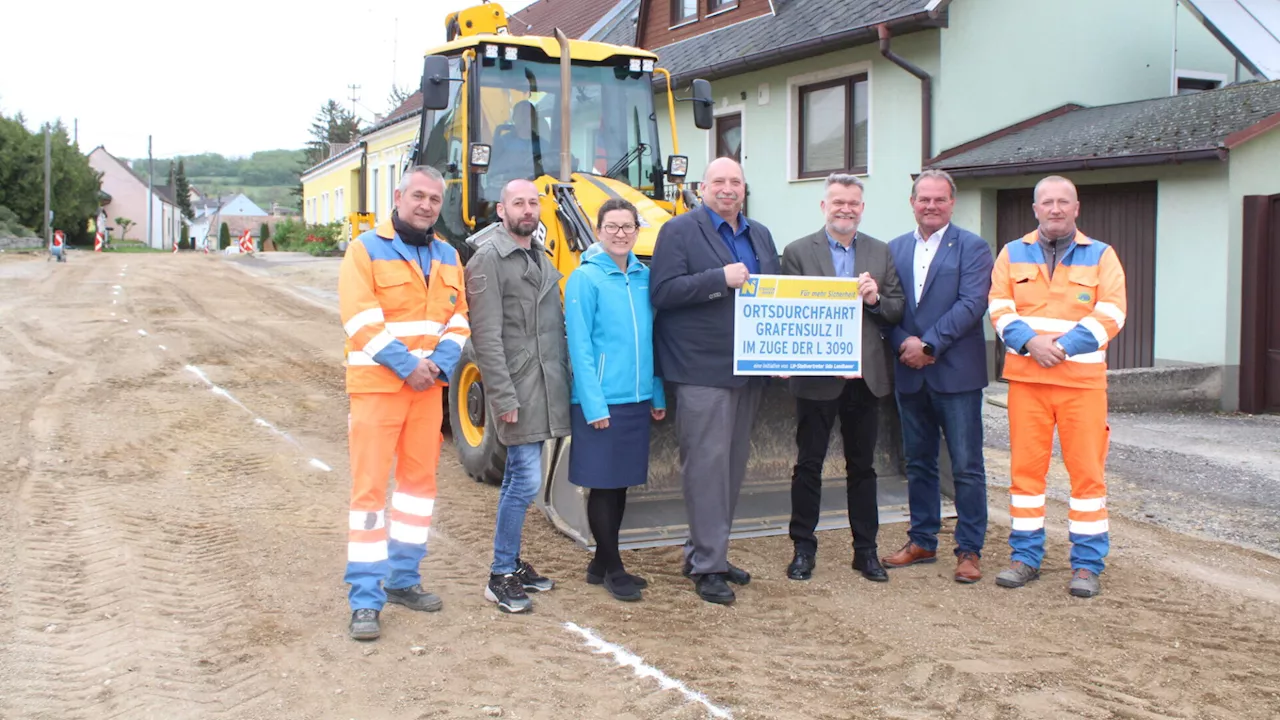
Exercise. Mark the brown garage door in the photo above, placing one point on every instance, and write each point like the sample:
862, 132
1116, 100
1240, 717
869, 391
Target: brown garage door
1124, 217
1260, 309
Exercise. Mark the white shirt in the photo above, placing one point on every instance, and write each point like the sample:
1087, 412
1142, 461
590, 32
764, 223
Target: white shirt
925, 252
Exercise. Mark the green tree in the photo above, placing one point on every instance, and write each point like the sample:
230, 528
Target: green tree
332, 125
183, 190
74, 185
184, 243
124, 223
224, 237
264, 233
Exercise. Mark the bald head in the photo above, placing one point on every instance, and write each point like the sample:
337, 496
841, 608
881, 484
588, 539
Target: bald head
724, 187
1056, 206
518, 186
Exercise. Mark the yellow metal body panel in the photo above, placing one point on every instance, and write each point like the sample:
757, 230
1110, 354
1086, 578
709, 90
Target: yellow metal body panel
578, 49
488, 19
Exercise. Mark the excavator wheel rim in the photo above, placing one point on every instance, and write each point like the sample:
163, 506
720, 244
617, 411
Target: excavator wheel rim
472, 430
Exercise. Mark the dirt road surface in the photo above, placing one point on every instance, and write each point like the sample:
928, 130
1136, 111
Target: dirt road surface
174, 477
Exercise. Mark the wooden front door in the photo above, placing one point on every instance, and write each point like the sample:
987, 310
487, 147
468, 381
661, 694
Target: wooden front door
1260, 306
729, 136
1124, 217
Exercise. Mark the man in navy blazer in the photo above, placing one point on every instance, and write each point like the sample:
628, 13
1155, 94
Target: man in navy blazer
940, 373
700, 258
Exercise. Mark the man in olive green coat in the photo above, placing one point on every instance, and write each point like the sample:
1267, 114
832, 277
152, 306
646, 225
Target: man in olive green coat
517, 331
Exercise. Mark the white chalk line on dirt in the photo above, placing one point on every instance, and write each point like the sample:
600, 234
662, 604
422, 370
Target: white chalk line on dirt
313, 462
625, 658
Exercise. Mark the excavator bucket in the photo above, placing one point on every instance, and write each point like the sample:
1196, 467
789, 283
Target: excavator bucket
656, 514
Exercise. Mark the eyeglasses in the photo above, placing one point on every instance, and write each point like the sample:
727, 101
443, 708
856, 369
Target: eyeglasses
612, 229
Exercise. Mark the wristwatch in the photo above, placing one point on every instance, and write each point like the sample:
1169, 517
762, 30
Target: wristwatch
927, 348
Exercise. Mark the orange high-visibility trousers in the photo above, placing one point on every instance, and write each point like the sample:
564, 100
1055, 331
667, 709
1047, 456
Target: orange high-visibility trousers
403, 427
1081, 418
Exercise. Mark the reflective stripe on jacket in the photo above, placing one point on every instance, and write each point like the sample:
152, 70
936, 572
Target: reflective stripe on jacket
395, 313
609, 323
1084, 303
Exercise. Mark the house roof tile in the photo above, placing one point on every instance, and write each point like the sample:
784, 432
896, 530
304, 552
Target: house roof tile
1200, 123
795, 24
574, 17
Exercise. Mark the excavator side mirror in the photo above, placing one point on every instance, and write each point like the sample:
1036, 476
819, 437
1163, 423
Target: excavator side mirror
702, 104
479, 157
677, 167
435, 82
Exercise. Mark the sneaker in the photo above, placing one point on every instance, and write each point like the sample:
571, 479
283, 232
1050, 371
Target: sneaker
1017, 575
1084, 584
530, 579
508, 593
414, 598
365, 625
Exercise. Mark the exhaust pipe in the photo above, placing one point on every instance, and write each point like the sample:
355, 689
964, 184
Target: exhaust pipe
566, 82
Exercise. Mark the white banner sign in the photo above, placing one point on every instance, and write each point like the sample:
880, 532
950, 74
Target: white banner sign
798, 326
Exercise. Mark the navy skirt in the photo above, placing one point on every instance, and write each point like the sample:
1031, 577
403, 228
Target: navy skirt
616, 457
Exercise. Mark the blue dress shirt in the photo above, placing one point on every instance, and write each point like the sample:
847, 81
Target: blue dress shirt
841, 256
739, 243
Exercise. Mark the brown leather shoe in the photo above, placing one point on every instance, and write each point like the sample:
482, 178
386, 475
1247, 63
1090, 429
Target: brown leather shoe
910, 554
967, 568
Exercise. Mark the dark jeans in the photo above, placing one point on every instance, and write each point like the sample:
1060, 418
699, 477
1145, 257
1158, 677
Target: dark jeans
959, 418
859, 414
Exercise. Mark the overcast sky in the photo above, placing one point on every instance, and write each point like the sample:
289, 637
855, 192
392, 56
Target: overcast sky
233, 77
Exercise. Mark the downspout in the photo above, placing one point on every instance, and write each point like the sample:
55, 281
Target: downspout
926, 93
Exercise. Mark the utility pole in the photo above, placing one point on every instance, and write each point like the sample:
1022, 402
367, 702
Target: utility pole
76, 131
151, 171
354, 97
48, 172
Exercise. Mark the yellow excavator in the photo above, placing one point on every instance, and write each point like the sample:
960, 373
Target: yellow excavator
578, 118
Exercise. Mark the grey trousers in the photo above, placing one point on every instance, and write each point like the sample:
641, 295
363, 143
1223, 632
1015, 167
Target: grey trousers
714, 429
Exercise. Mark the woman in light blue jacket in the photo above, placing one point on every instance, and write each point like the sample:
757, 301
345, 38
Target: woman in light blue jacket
615, 394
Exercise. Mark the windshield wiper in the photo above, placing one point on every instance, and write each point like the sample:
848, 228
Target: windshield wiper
626, 160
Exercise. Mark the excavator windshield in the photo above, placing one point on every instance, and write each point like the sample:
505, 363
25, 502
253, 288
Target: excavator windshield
613, 130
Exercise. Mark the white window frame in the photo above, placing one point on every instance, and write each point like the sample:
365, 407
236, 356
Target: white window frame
374, 182
794, 83
339, 202
721, 111
1220, 78
391, 188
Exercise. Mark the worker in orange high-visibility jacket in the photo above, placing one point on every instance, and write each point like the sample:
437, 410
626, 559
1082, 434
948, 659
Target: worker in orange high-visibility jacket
1057, 300
404, 310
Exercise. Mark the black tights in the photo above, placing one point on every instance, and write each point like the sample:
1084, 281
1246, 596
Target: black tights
604, 515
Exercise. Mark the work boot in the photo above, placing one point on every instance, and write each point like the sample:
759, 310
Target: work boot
414, 598
1084, 584
530, 579
1017, 575
508, 593
801, 567
365, 625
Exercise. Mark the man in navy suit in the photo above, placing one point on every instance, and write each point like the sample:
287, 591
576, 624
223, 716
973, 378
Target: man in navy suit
700, 258
940, 373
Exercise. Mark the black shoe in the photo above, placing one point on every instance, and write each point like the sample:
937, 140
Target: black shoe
595, 577
414, 598
735, 575
365, 625
530, 579
712, 588
801, 567
620, 587
869, 565
508, 593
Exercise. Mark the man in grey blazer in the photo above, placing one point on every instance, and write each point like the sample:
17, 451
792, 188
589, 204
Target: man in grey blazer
839, 250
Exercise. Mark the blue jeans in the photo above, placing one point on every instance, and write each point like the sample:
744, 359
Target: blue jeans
926, 415
521, 482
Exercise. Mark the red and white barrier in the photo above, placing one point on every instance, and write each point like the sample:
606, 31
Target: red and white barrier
97, 242
246, 242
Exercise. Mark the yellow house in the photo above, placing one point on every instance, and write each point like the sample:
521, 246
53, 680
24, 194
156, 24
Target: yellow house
331, 189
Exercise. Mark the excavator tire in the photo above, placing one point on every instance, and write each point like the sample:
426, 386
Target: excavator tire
474, 429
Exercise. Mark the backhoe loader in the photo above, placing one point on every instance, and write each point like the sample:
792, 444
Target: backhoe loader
578, 119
